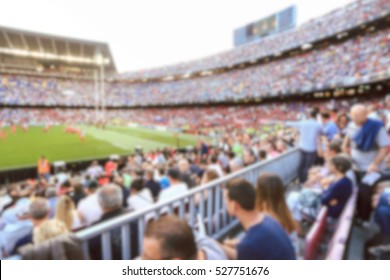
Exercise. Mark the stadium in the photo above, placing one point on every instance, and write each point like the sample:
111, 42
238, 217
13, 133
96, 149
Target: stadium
281, 141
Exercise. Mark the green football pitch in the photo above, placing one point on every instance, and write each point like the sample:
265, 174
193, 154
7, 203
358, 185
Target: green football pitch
24, 148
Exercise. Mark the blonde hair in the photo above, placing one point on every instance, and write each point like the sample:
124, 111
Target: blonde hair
48, 230
65, 211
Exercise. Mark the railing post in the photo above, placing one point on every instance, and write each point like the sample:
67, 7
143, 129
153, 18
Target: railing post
106, 246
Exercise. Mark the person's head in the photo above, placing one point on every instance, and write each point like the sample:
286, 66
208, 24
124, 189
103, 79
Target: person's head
184, 166
270, 199
65, 210
78, 188
39, 210
213, 159
173, 176
334, 148
325, 117
209, 175
248, 157
110, 197
49, 229
342, 121
313, 113
149, 174
240, 197
92, 187
339, 164
14, 191
359, 114
169, 238
137, 185
50, 192
262, 155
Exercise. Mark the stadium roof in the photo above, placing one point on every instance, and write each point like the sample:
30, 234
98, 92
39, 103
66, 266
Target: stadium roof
55, 49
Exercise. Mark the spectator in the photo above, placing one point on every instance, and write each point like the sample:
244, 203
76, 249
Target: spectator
38, 211
140, 196
169, 238
43, 168
309, 130
367, 143
264, 239
176, 187
66, 213
49, 229
151, 184
338, 193
78, 193
110, 200
185, 174
330, 128
89, 210
270, 199
50, 195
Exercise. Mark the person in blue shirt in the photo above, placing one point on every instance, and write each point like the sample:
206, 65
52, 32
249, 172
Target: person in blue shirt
265, 238
310, 131
338, 192
330, 128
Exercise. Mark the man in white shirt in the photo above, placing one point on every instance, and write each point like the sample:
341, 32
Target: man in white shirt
89, 210
176, 187
95, 170
140, 196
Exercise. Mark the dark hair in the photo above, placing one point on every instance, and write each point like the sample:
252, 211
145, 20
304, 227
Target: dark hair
325, 115
341, 163
93, 185
335, 146
270, 199
175, 237
173, 173
243, 192
137, 184
314, 112
213, 159
66, 184
262, 154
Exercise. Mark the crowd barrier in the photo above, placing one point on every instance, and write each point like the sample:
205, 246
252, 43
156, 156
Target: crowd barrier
204, 204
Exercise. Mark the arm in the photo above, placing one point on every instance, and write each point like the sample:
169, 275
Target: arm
293, 124
346, 145
374, 166
383, 142
230, 252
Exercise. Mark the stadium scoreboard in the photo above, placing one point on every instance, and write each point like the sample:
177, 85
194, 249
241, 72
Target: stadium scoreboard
278, 22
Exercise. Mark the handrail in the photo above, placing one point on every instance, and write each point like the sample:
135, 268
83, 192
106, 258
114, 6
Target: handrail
115, 222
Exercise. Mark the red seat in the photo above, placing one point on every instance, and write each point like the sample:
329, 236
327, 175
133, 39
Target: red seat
315, 234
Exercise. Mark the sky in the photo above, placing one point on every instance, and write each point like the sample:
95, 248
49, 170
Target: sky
151, 33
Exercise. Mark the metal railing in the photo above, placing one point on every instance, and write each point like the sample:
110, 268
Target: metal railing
203, 208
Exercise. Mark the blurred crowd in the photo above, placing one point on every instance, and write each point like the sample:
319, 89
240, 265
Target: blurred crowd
356, 61
350, 16
61, 201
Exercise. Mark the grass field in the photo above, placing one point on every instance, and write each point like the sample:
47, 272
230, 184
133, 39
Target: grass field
24, 148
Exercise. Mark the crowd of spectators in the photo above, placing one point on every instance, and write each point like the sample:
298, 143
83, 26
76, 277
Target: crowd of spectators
350, 16
355, 61
56, 203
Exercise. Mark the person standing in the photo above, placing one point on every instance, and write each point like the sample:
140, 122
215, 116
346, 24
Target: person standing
366, 141
43, 168
310, 131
